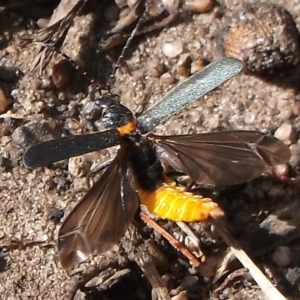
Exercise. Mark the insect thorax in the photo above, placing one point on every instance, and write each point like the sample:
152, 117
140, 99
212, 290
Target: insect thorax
114, 115
144, 162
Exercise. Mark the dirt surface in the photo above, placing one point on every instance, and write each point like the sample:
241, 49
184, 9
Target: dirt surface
31, 270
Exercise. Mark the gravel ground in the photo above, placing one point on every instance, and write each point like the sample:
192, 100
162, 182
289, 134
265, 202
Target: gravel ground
31, 270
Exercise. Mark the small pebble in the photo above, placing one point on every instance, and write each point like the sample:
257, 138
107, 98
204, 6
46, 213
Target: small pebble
172, 49
184, 64
170, 5
44, 83
132, 3
293, 275
9, 125
214, 122
91, 110
40, 105
42, 22
264, 36
72, 125
34, 132
156, 68
181, 296
281, 169
197, 65
121, 3
55, 215
282, 256
295, 155
78, 166
4, 102
61, 74
200, 6
249, 117
284, 132
13, 49
167, 78
9, 73
156, 8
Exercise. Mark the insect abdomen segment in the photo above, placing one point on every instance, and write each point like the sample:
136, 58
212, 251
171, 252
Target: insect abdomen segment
172, 202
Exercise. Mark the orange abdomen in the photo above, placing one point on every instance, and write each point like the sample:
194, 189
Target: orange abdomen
172, 202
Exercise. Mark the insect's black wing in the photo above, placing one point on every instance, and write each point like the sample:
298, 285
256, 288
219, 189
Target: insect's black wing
221, 158
55, 150
189, 91
101, 218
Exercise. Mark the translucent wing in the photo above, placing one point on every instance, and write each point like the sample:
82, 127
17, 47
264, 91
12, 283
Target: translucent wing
221, 158
101, 218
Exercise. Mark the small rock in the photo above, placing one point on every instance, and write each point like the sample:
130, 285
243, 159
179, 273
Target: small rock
42, 22
121, 3
45, 82
156, 68
184, 64
214, 122
172, 49
293, 275
264, 36
4, 102
78, 166
91, 110
132, 3
181, 296
8, 125
55, 215
61, 74
281, 169
295, 155
282, 256
197, 65
249, 117
200, 6
34, 132
284, 132
167, 78
61, 182
171, 6
9, 73
13, 49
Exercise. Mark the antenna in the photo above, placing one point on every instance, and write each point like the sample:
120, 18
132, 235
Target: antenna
121, 57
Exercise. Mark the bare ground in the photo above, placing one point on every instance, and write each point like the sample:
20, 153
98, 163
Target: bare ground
32, 271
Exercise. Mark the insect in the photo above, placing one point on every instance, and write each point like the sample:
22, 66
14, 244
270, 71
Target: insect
136, 174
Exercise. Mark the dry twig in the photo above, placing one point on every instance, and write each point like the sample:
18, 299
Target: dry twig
176, 244
266, 286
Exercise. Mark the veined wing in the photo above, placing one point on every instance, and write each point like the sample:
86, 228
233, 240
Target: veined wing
102, 216
221, 158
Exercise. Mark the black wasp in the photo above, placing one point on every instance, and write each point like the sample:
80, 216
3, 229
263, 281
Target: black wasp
136, 174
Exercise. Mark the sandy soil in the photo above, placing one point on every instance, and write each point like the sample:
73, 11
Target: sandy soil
32, 271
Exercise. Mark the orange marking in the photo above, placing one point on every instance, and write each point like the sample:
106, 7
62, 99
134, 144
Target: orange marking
172, 202
127, 128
